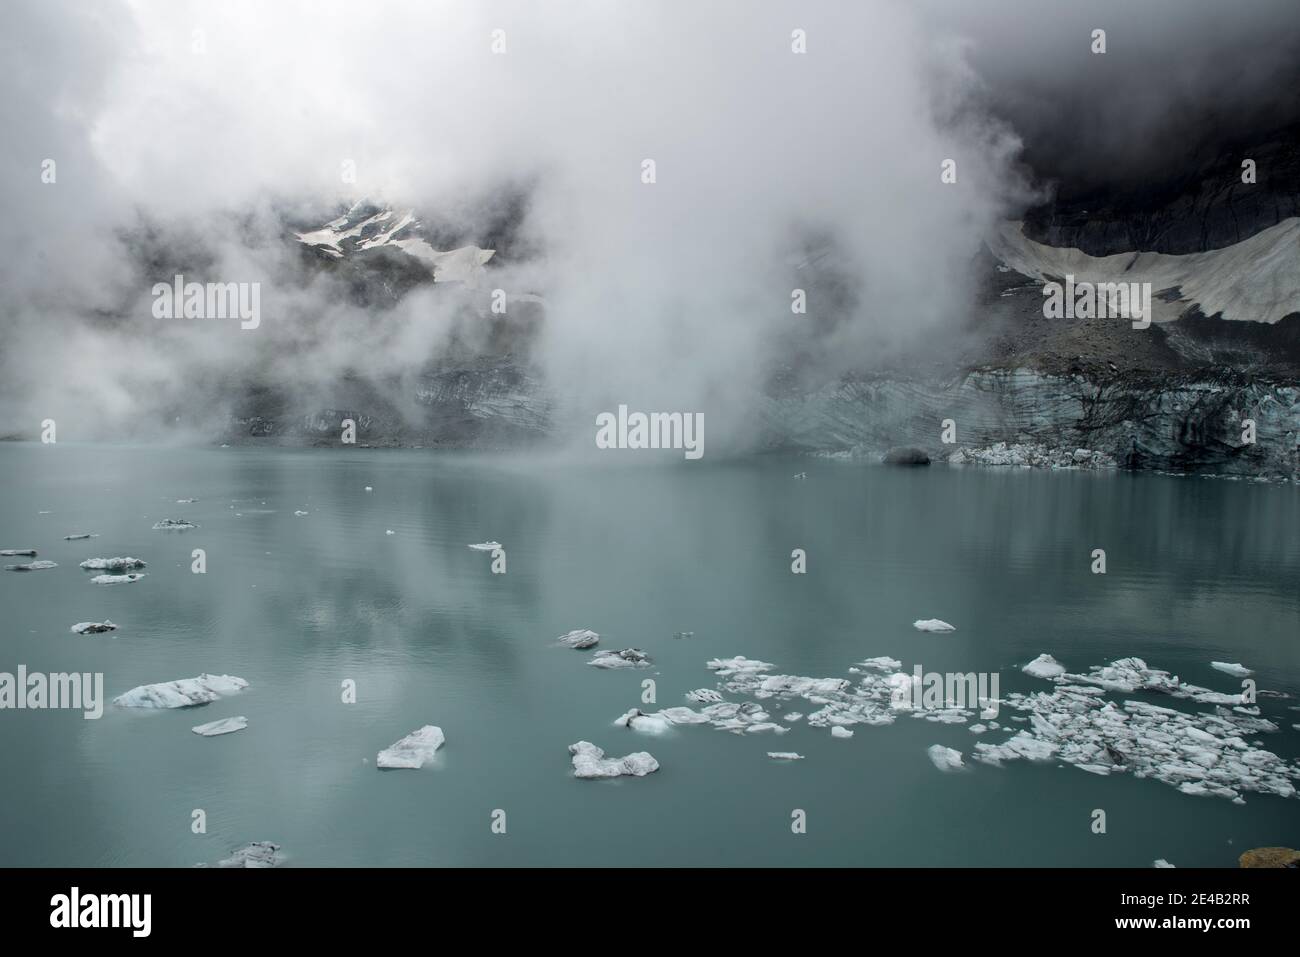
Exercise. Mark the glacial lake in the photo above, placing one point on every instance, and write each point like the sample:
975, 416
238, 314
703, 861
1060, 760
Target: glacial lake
1198, 570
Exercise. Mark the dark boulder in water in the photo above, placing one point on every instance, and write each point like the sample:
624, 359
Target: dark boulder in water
906, 455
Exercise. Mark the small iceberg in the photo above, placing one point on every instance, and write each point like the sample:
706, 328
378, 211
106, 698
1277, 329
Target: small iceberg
117, 579
186, 501
590, 762
174, 525
627, 658
79, 537
93, 627
413, 750
31, 567
932, 624
224, 726
1237, 671
839, 731
945, 759
182, 693
486, 546
256, 854
18, 552
638, 720
112, 564
683, 634
579, 639
1044, 666
1161, 863
299, 513
785, 755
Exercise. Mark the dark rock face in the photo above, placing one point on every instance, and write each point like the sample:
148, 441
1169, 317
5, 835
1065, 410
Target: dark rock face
1207, 208
906, 456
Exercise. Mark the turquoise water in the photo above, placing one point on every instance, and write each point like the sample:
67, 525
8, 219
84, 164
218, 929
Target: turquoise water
1198, 570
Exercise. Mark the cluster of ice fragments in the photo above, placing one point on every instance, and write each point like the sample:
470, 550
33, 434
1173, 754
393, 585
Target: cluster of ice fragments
1033, 455
1198, 752
182, 693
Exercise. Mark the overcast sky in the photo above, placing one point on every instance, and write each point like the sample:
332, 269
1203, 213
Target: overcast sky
206, 117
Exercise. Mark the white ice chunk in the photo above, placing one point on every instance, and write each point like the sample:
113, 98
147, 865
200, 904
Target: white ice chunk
589, 761
579, 638
932, 624
839, 731
224, 726
413, 750
182, 693
93, 627
1236, 670
118, 579
112, 564
1044, 666
785, 755
945, 759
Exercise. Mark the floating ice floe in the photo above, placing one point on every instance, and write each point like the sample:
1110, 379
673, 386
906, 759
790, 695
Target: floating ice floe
299, 512
413, 750
1044, 666
186, 501
79, 537
932, 624
589, 761
792, 716
977, 729
683, 634
256, 854
389, 531
1237, 671
18, 552
31, 566
485, 546
117, 579
182, 693
739, 665
223, 726
839, 731
785, 755
578, 639
945, 759
93, 627
1162, 863
627, 658
660, 721
112, 564
174, 525
883, 663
